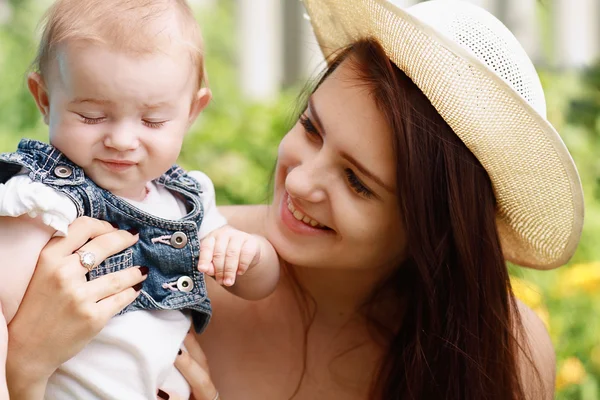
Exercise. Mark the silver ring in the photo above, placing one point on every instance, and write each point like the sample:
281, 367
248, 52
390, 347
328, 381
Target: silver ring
217, 397
87, 259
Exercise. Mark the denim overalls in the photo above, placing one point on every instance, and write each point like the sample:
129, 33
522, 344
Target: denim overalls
170, 249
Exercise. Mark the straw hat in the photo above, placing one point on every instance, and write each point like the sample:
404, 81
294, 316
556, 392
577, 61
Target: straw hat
481, 81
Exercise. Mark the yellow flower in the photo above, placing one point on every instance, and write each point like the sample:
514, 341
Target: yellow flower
527, 292
580, 277
571, 372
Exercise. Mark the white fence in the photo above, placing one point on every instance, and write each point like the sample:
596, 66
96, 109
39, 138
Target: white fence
277, 45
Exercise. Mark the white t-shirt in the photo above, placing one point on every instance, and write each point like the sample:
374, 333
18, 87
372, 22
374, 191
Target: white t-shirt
133, 355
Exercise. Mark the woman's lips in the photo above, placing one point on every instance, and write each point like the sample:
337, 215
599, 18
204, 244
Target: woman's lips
298, 225
301, 216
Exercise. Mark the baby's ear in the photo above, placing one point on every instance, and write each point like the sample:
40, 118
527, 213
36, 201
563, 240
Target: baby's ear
199, 103
38, 90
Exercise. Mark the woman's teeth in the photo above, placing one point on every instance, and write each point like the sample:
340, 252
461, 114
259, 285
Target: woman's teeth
301, 217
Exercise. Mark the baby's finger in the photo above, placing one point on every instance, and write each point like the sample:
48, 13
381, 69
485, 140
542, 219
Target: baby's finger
218, 259
248, 253
207, 248
210, 269
232, 259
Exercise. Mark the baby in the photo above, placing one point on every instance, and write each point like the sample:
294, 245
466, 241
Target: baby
119, 83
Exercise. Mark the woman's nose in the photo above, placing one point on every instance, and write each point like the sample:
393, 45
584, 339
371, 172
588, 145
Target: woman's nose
306, 182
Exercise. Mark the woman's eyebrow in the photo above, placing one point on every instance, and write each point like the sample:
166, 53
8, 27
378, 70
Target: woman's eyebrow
319, 125
315, 116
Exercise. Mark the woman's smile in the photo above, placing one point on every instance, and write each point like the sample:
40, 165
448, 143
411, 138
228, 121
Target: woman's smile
299, 222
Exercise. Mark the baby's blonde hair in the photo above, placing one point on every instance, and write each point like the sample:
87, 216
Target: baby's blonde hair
124, 25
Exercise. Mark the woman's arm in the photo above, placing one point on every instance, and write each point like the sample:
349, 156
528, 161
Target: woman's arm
61, 311
537, 360
21, 240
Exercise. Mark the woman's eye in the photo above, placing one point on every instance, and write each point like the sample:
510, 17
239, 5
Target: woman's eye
353, 180
356, 184
309, 127
154, 125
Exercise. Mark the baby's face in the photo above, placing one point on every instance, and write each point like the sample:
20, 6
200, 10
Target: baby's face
122, 117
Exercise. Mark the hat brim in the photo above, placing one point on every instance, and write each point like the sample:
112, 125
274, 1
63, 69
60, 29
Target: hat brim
535, 181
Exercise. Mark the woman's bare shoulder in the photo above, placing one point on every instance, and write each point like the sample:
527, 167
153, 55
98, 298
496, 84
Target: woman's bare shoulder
537, 359
247, 218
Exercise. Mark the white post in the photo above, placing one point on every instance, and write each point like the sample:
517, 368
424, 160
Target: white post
294, 36
5, 12
490, 5
576, 32
311, 58
260, 46
520, 16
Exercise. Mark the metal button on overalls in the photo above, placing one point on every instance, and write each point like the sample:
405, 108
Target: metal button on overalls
185, 284
62, 171
179, 240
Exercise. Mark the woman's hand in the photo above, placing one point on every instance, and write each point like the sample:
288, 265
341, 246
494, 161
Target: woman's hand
194, 367
61, 311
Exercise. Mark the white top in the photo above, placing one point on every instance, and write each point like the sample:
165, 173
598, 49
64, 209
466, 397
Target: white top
133, 355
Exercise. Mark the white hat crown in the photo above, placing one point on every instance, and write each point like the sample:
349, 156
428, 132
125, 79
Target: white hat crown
482, 83
482, 34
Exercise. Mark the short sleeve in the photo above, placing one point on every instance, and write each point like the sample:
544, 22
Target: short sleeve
20, 196
212, 217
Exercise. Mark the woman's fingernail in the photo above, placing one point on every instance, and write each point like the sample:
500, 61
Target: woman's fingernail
115, 225
179, 352
133, 231
144, 270
137, 287
163, 395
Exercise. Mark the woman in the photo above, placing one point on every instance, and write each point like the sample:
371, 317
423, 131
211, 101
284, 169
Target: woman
414, 172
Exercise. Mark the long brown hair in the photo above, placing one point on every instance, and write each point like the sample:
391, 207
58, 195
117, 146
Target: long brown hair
455, 337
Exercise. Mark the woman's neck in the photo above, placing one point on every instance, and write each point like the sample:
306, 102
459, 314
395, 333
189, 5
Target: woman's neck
338, 293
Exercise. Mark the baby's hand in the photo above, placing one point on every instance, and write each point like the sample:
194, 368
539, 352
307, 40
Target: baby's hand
226, 253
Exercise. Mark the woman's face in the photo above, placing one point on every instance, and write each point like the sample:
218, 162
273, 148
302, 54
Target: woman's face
335, 203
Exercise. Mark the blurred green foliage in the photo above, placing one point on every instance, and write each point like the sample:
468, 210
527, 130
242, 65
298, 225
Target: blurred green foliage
235, 142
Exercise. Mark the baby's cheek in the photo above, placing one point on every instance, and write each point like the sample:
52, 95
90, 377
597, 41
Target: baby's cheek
71, 140
165, 149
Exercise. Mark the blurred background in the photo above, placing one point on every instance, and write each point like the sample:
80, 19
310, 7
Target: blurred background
261, 53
